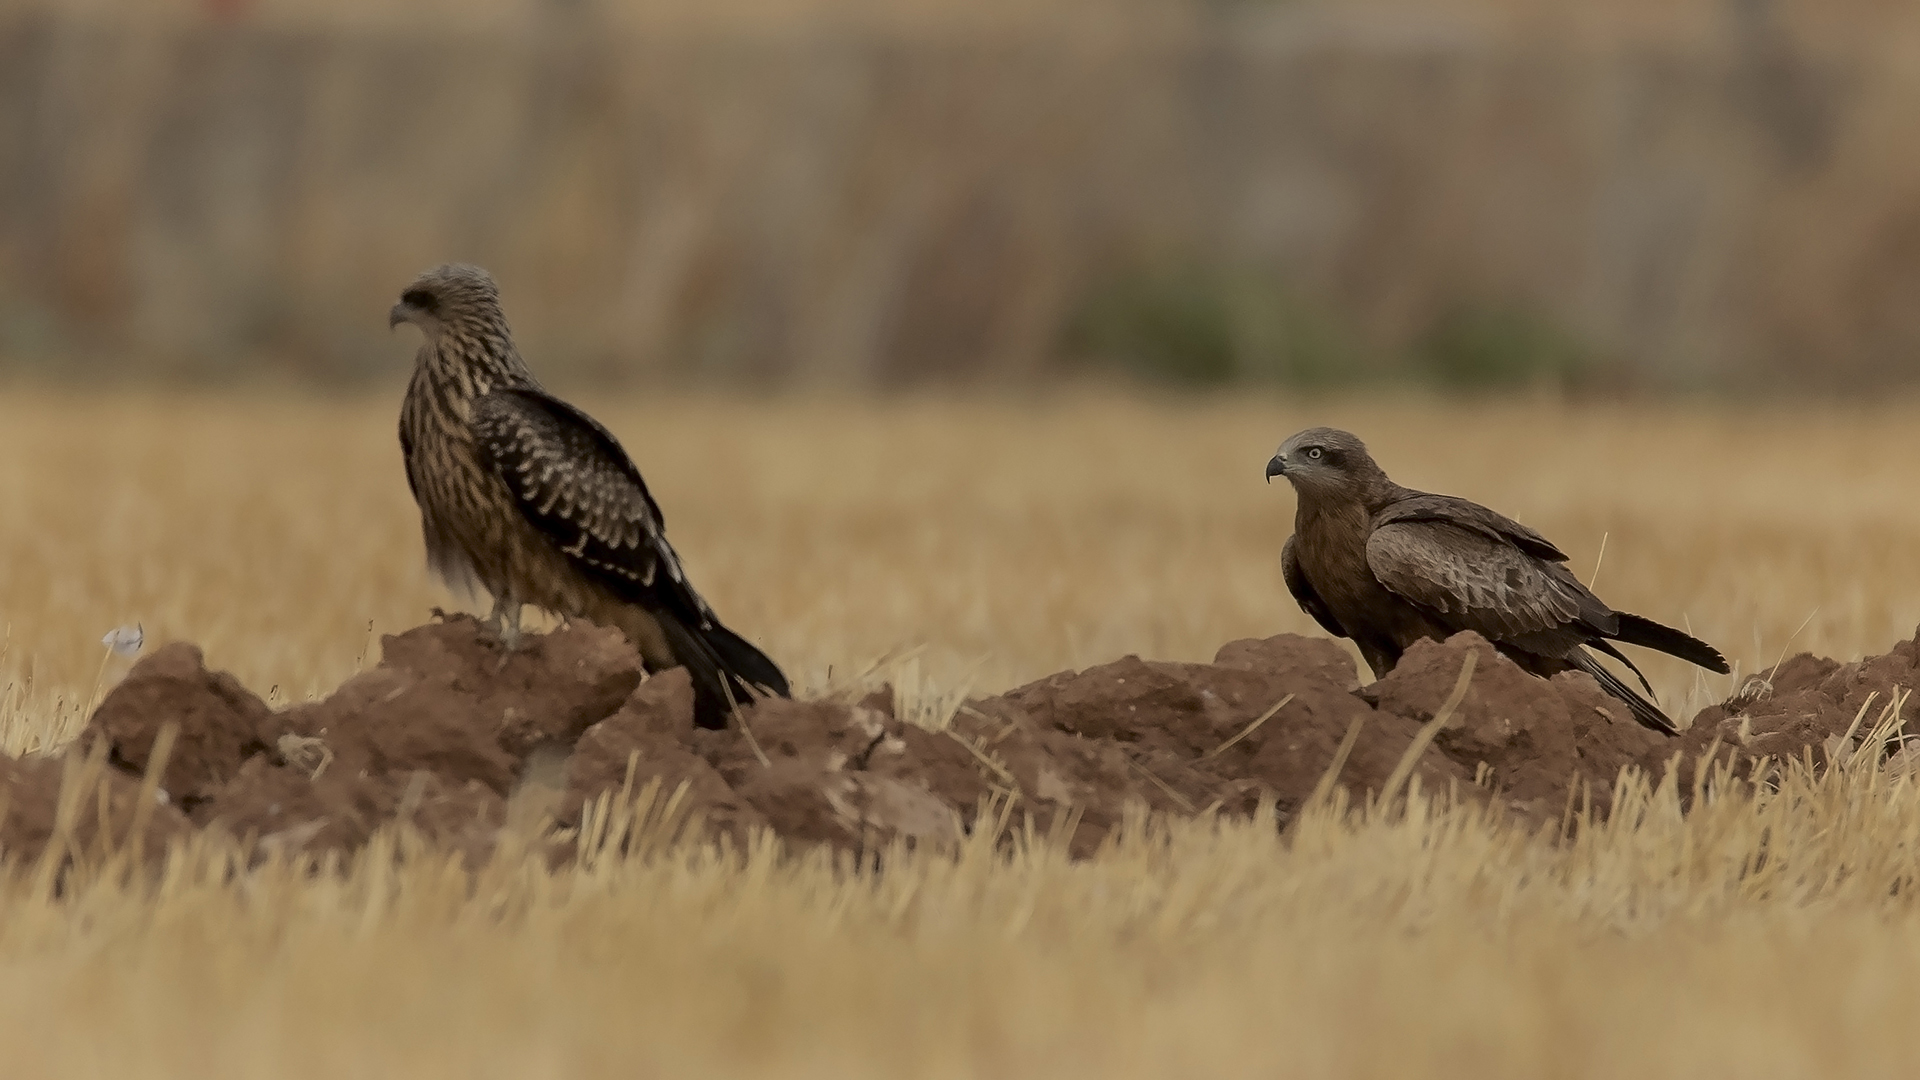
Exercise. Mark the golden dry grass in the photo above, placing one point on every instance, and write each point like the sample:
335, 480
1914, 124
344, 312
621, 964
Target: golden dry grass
1004, 541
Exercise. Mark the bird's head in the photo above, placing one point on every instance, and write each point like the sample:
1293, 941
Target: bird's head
1323, 460
446, 295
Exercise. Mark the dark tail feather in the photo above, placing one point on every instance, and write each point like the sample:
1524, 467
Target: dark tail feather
1648, 634
726, 671
1606, 646
1643, 710
746, 662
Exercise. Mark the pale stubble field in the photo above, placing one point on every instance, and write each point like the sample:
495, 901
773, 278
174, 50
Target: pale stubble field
958, 546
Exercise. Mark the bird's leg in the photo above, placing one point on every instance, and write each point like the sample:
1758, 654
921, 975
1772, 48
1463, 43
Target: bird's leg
510, 637
505, 621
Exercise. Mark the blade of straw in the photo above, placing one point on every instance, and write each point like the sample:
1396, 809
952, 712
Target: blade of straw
1427, 733
1324, 789
1249, 729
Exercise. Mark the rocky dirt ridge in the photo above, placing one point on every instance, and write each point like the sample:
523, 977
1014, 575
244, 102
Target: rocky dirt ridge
451, 735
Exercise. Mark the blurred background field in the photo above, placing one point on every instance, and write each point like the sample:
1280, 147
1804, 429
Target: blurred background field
1711, 194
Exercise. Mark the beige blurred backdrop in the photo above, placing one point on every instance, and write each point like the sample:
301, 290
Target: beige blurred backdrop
1696, 194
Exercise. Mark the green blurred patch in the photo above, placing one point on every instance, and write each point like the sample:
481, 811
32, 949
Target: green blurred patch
1204, 325
28, 331
1208, 325
1501, 348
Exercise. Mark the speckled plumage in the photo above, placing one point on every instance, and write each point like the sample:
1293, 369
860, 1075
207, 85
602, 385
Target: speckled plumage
527, 497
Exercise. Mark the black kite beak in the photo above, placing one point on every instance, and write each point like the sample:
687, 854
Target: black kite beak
1276, 467
397, 316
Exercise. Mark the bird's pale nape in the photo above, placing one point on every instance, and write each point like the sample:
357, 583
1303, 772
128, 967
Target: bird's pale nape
533, 500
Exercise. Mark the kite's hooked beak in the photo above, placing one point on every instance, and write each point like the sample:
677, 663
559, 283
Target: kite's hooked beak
1276, 467
398, 315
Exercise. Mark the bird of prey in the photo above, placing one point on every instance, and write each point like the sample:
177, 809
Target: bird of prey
1387, 566
530, 498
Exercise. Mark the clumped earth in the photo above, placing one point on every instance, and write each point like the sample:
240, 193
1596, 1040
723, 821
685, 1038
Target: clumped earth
458, 738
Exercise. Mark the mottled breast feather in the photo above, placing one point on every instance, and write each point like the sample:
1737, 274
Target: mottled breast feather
572, 481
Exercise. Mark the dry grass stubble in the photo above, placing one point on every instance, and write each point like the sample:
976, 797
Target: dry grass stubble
1004, 541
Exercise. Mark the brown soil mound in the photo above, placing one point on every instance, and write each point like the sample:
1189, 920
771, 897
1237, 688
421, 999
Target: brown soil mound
1798, 708
106, 821
449, 730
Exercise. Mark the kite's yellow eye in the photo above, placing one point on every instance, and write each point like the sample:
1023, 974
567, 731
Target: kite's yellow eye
1314, 453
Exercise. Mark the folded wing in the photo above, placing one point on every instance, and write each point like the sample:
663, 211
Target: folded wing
1488, 584
572, 481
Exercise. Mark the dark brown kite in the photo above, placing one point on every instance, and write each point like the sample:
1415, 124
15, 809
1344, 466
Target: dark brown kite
530, 498
1388, 566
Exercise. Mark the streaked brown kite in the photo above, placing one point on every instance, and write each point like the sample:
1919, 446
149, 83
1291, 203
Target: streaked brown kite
526, 496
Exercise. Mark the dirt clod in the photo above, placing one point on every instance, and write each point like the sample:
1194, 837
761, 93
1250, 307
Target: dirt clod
1532, 735
30, 790
221, 723
283, 808
1797, 708
601, 763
